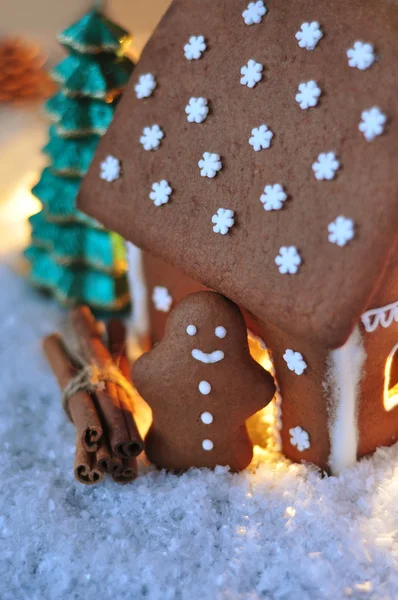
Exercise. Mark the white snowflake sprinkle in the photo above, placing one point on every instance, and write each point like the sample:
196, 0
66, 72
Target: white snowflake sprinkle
195, 47
145, 86
254, 13
309, 35
274, 196
251, 73
341, 231
209, 165
110, 169
197, 110
161, 192
151, 137
261, 138
295, 361
361, 55
299, 438
288, 260
372, 123
161, 299
223, 220
308, 94
326, 166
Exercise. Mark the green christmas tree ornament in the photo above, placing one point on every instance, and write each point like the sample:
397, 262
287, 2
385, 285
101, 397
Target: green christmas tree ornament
70, 156
79, 116
100, 77
71, 255
93, 34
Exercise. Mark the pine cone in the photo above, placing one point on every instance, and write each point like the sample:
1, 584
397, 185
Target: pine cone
22, 76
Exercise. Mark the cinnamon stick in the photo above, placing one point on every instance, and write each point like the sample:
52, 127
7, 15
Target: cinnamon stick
86, 466
118, 350
118, 346
113, 401
128, 472
107, 461
81, 405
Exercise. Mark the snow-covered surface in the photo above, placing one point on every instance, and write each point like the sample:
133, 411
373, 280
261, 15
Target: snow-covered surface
280, 531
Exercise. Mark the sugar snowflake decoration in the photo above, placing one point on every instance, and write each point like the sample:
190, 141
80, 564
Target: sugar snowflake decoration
261, 138
161, 192
151, 137
254, 13
209, 165
274, 196
288, 260
145, 86
341, 231
161, 299
372, 123
299, 438
295, 361
308, 94
251, 73
309, 35
197, 110
110, 169
223, 220
326, 166
361, 55
195, 47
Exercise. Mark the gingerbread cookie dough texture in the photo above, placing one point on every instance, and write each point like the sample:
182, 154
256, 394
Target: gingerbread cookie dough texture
257, 146
202, 385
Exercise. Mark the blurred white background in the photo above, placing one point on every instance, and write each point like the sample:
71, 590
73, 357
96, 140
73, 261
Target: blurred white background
41, 20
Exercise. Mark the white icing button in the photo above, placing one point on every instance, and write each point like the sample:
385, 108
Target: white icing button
191, 330
220, 332
207, 445
207, 418
204, 388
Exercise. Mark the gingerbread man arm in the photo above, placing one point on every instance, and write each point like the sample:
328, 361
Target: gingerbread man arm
145, 371
259, 392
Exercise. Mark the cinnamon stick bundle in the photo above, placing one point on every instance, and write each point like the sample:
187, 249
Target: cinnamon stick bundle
80, 406
97, 399
114, 403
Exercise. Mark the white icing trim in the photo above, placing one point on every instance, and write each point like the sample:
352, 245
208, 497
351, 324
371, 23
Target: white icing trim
383, 316
139, 320
345, 370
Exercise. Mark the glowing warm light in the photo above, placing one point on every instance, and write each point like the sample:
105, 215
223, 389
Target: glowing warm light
264, 426
390, 393
15, 210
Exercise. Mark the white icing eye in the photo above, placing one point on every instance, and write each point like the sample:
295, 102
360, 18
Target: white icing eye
191, 330
220, 332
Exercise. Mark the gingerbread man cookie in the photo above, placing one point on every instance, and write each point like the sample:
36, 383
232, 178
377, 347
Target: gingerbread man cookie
202, 384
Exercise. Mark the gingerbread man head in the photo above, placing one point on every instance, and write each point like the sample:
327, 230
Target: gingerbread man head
202, 384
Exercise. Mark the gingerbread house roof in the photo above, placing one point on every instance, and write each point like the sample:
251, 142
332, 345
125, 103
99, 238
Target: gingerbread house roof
285, 114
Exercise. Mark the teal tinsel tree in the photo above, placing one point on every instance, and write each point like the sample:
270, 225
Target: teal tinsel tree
70, 254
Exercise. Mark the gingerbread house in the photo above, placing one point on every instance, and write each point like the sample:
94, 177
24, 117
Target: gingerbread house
255, 153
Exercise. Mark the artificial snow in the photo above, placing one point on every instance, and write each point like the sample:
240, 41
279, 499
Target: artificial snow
277, 532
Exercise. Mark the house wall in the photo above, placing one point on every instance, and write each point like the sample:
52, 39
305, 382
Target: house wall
376, 426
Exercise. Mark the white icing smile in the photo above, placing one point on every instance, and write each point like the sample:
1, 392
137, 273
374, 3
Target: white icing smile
208, 358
